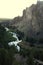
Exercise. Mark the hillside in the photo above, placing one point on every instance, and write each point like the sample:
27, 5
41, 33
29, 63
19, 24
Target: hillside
31, 23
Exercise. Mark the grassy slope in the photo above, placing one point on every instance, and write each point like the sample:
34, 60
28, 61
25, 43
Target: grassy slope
4, 19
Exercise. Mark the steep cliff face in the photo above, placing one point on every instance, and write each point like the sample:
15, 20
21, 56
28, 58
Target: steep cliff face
24, 24
31, 23
37, 20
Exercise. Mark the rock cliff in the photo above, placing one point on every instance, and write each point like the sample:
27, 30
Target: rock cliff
31, 23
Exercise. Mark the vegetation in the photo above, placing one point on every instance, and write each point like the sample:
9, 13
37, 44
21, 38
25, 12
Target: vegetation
20, 34
6, 52
31, 53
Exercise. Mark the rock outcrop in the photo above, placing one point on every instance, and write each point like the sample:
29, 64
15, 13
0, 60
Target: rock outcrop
31, 23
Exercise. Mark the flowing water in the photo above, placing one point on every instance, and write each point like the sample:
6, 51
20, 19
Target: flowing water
14, 42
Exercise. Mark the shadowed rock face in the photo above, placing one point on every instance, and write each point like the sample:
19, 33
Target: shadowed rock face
25, 22
31, 23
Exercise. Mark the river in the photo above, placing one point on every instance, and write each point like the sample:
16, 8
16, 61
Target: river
14, 42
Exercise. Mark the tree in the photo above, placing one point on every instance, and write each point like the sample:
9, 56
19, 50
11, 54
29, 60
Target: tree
5, 37
6, 52
30, 60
